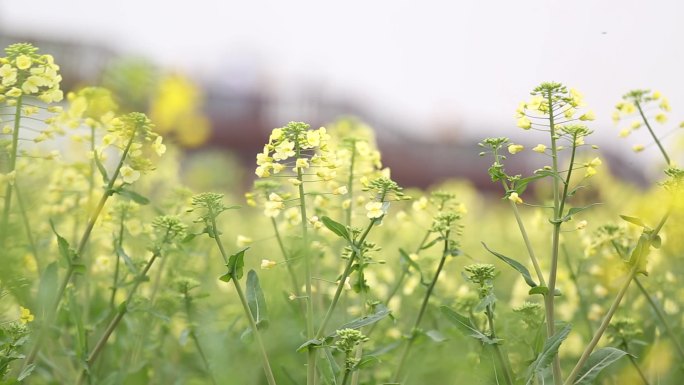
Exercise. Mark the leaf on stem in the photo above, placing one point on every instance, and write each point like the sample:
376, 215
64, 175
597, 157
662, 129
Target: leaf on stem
380, 313
547, 354
576, 210
328, 367
598, 360
64, 249
236, 266
256, 300
465, 325
407, 264
634, 220
336, 227
132, 195
516, 265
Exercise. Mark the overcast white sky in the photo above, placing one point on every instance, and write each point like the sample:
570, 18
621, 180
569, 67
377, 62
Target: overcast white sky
422, 62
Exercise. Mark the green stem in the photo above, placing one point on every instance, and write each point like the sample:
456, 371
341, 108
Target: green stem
350, 184
421, 312
499, 353
123, 309
12, 167
345, 378
109, 191
245, 306
656, 309
550, 297
650, 130
611, 311
188, 311
288, 261
580, 297
343, 279
27, 226
526, 239
119, 242
635, 364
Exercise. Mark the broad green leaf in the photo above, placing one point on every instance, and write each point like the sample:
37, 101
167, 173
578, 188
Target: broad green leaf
64, 249
576, 210
366, 361
543, 290
380, 313
336, 227
466, 326
310, 343
132, 195
327, 366
489, 300
547, 354
514, 264
26, 372
236, 265
256, 300
634, 220
598, 360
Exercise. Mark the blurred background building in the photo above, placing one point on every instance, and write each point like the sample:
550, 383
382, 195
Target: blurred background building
433, 78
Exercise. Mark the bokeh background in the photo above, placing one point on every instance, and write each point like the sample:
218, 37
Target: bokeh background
433, 78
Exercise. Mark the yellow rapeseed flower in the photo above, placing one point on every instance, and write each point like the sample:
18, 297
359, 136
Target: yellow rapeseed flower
524, 123
513, 197
638, 148
25, 315
661, 118
267, 264
540, 148
515, 148
374, 210
23, 62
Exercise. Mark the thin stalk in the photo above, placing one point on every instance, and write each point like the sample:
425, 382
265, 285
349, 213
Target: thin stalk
27, 226
119, 242
290, 269
656, 309
343, 279
580, 297
397, 285
31, 357
421, 312
345, 378
188, 311
650, 130
611, 311
526, 239
549, 298
635, 364
123, 309
499, 354
350, 184
245, 307
12, 167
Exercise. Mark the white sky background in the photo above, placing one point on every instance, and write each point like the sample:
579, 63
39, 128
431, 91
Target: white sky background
425, 63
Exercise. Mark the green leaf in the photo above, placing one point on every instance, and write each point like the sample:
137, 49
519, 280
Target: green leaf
314, 343
120, 253
26, 372
598, 360
489, 300
436, 335
547, 354
380, 313
328, 366
543, 290
366, 361
256, 300
576, 210
64, 249
466, 326
100, 167
336, 227
79, 268
514, 264
132, 195
633, 220
407, 264
236, 265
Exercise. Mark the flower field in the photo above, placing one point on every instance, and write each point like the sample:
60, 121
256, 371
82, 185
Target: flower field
117, 267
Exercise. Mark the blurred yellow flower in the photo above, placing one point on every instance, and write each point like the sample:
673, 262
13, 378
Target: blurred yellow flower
374, 210
524, 123
661, 118
515, 148
23, 62
638, 148
25, 315
267, 264
513, 197
540, 148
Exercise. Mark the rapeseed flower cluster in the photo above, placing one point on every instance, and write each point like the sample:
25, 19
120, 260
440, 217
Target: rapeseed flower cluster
24, 72
551, 100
